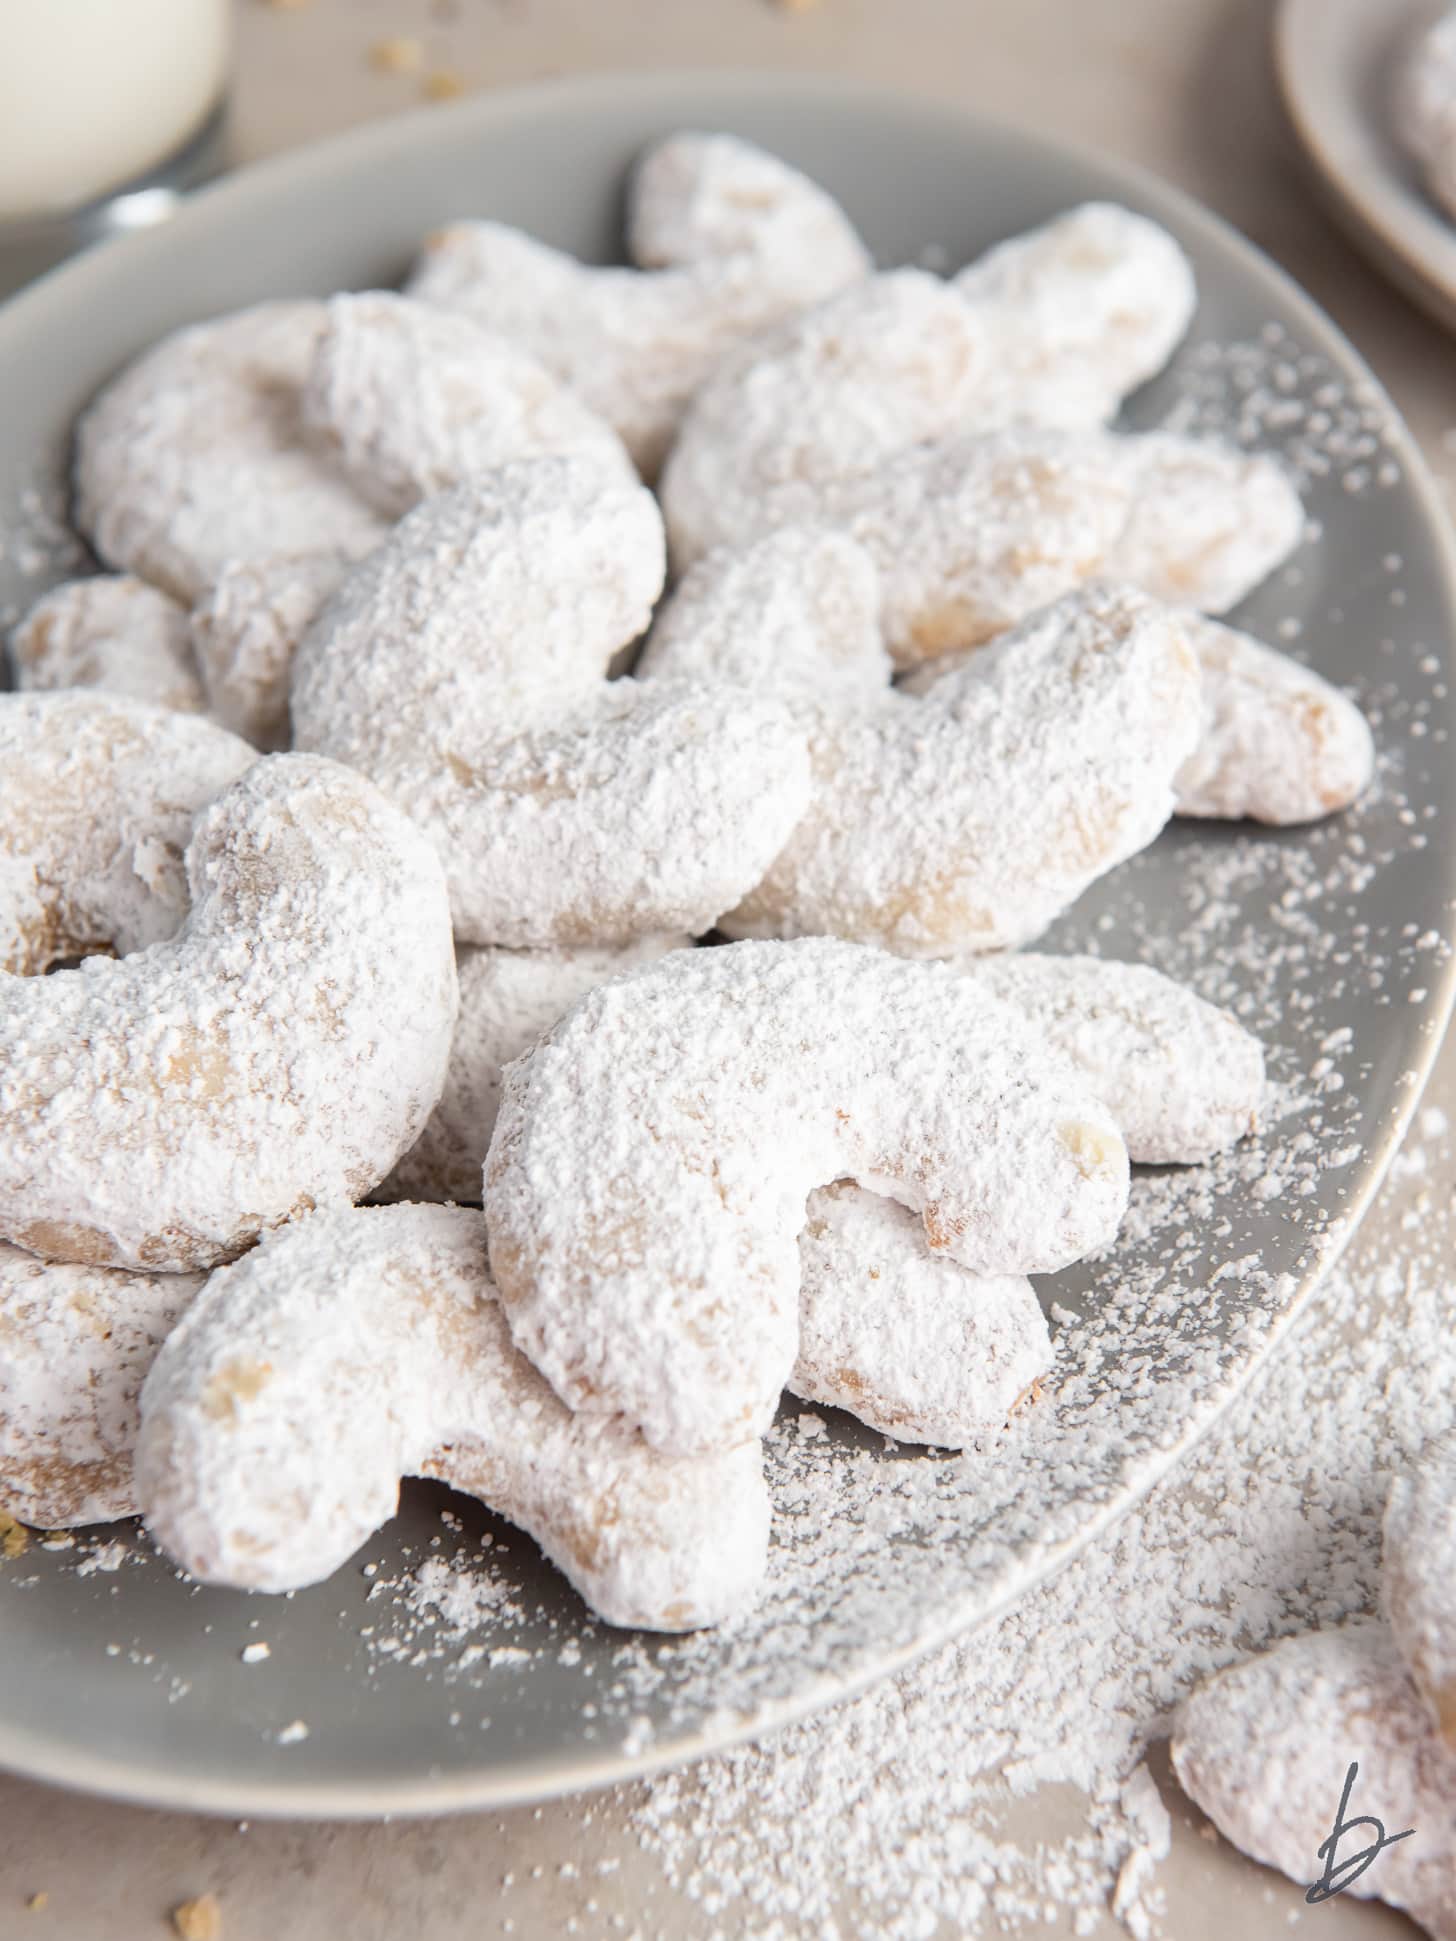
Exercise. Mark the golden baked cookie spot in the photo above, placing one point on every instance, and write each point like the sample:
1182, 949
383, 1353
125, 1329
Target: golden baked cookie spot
1090, 1146
235, 1382
65, 1240
199, 1069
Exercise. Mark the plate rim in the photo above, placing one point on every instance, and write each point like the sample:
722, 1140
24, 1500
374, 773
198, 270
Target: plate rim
22, 1752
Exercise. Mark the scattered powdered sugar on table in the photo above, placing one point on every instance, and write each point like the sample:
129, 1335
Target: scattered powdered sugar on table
430, 1609
881, 1816
104, 1556
1273, 391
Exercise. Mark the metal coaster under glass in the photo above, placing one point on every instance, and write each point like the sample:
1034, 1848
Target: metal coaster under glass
31, 247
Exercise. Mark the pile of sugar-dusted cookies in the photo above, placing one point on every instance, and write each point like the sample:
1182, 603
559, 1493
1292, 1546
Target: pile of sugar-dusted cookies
367, 872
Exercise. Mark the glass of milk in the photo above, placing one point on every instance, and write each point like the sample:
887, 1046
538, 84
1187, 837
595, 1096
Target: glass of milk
108, 110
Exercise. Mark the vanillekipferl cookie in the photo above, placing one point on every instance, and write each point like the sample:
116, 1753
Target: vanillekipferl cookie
280, 1051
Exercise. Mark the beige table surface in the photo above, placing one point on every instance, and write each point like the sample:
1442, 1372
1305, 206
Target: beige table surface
1181, 86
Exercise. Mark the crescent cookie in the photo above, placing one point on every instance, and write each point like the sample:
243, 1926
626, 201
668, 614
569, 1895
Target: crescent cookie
196, 455
1264, 1748
361, 1345
1182, 1078
412, 400
1420, 1578
111, 632
463, 665
75, 1345
969, 818
729, 240
97, 797
901, 1337
646, 1181
281, 1051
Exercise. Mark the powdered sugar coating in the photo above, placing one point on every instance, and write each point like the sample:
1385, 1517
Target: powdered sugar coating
970, 535
732, 239
647, 1178
508, 998
281, 1051
1419, 1578
196, 455
1209, 522
966, 820
75, 1346
1279, 743
462, 667
704, 199
245, 633
799, 609
97, 797
900, 1336
412, 399
360, 1345
113, 632
830, 395
1080, 312
1182, 1078
1264, 1746
1423, 107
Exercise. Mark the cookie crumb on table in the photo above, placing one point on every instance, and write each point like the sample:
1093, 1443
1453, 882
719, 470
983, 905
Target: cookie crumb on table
199, 1919
38, 1902
443, 85
1033, 1393
14, 1537
397, 54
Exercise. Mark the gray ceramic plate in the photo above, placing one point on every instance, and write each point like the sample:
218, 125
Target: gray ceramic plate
129, 1681
1335, 60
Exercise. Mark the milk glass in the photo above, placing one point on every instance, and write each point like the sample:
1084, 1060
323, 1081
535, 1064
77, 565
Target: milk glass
107, 109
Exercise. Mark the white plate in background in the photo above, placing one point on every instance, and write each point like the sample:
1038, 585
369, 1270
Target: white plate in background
1336, 62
